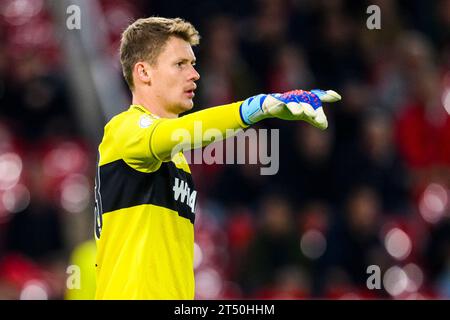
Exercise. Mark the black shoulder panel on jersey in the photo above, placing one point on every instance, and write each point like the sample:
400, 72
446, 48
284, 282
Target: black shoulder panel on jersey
123, 187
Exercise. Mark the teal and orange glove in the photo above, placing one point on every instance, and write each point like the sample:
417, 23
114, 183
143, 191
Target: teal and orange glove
291, 105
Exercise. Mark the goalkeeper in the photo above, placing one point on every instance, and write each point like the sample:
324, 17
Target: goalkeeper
144, 193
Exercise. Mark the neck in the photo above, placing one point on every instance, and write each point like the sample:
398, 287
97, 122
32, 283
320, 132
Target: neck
151, 104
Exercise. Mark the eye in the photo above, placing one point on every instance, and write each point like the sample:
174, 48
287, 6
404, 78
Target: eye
180, 64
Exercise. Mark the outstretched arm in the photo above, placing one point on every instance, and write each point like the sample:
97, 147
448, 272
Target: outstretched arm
292, 105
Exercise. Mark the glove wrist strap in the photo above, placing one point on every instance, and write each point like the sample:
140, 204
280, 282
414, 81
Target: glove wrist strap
251, 109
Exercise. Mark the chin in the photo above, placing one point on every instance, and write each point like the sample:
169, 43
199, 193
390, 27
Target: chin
182, 106
186, 106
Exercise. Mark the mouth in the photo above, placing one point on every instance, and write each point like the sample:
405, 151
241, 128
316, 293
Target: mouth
190, 92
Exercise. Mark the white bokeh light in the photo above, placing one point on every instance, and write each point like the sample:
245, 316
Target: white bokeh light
313, 244
18, 12
398, 244
10, 170
415, 277
64, 159
208, 284
34, 290
16, 199
395, 281
75, 193
198, 255
446, 100
433, 203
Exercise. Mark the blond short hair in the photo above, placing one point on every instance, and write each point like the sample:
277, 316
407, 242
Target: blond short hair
144, 40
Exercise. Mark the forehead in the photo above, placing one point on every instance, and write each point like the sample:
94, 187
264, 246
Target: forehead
177, 48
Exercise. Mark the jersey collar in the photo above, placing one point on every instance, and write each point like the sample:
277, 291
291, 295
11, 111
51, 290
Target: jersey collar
143, 109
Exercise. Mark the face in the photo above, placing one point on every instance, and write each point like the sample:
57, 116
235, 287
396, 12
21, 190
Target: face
173, 76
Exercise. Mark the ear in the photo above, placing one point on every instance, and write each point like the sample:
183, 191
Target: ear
142, 72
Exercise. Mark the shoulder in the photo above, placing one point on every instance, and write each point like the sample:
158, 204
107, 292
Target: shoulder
132, 118
127, 136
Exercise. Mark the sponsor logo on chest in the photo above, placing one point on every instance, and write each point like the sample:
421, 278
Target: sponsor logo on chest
183, 193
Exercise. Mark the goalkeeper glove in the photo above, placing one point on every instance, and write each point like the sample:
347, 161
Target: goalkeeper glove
291, 105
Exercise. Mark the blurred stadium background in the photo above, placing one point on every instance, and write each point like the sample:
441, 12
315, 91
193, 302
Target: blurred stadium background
371, 190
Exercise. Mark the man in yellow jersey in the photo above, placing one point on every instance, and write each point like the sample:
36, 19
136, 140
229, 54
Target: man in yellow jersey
144, 193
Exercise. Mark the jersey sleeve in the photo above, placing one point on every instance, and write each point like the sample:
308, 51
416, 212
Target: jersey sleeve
131, 140
191, 131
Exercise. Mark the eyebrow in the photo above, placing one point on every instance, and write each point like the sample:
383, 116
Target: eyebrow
187, 60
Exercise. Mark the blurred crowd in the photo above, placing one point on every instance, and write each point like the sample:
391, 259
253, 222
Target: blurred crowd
371, 190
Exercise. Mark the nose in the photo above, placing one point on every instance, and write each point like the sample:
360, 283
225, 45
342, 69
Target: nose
194, 75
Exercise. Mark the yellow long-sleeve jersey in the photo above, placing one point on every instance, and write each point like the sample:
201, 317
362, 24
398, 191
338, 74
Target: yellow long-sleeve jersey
145, 203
